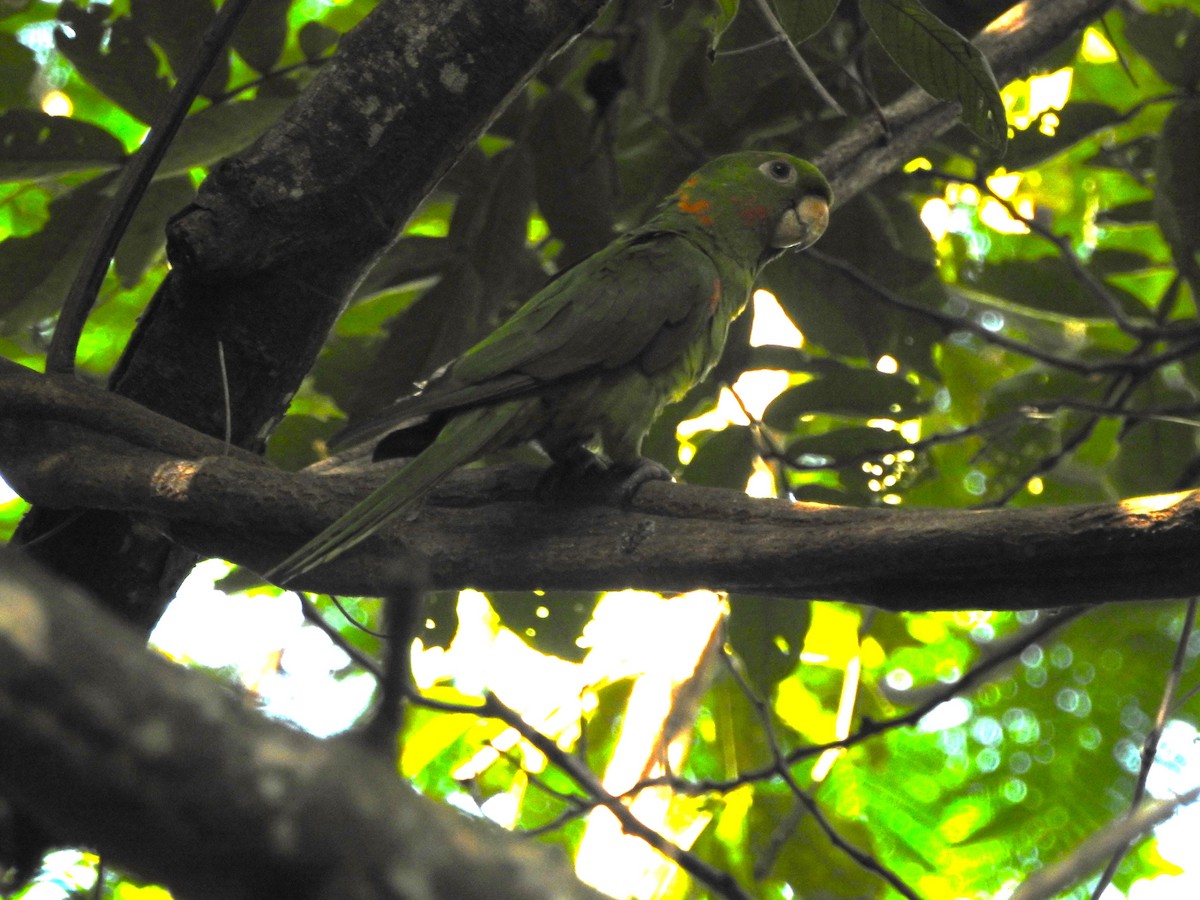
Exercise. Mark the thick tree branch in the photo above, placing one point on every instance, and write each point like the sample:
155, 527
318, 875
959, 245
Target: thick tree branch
485, 528
174, 776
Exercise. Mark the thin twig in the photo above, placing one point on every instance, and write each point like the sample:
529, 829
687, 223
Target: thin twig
806, 71
139, 171
783, 769
1003, 652
361, 659
952, 322
721, 882
1150, 746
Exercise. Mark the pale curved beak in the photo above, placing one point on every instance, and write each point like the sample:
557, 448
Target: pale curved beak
802, 224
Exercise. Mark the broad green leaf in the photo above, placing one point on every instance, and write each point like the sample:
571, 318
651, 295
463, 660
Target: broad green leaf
852, 392
262, 32
145, 238
725, 459
315, 39
1177, 201
35, 146
550, 622
1154, 453
1076, 122
113, 57
1127, 214
720, 18
178, 26
767, 634
219, 131
843, 443
1048, 284
1170, 41
941, 61
411, 259
37, 270
17, 69
804, 18
501, 236
574, 189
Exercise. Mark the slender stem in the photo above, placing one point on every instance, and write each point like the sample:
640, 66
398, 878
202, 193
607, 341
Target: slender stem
139, 171
805, 70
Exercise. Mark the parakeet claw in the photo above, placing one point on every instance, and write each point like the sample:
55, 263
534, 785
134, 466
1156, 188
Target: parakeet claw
641, 472
587, 475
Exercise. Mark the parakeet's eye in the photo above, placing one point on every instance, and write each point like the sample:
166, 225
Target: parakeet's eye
779, 170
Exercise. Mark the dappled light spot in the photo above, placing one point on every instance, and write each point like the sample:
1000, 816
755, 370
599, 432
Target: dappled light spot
1150, 508
954, 712
1015, 790
1096, 48
56, 103
1011, 20
771, 324
172, 479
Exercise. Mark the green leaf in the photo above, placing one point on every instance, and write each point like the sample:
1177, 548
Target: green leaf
941, 61
37, 270
219, 131
1077, 121
501, 236
35, 146
805, 18
575, 188
436, 328
844, 443
720, 18
1177, 200
725, 459
1170, 41
262, 32
177, 26
767, 634
551, 621
1135, 213
143, 242
1048, 284
409, 260
862, 393
113, 57
17, 69
1154, 453
315, 39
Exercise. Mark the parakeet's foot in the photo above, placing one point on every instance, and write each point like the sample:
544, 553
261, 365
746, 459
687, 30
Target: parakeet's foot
639, 473
569, 476
586, 475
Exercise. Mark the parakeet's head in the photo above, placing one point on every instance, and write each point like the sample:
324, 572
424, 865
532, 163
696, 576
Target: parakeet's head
755, 204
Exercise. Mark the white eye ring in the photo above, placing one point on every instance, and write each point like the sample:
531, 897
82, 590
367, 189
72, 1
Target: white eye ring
779, 170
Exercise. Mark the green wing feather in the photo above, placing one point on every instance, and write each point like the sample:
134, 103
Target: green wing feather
594, 315
462, 440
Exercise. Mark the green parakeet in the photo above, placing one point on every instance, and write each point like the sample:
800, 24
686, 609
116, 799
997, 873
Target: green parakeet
594, 356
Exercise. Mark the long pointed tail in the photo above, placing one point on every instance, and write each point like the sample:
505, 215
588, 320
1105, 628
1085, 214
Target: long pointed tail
464, 438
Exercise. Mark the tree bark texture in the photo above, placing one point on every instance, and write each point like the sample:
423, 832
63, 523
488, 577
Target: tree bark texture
485, 528
176, 777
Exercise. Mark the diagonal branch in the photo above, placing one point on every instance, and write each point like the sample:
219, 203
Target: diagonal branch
172, 774
486, 528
